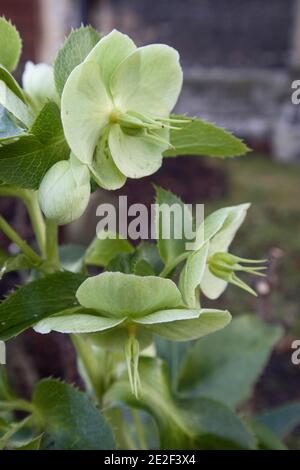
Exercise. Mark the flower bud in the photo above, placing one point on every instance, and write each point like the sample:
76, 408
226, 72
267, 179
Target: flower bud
65, 191
38, 83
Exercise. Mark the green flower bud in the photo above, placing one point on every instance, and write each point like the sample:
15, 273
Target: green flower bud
65, 191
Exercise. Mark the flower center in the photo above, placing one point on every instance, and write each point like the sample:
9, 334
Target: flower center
114, 116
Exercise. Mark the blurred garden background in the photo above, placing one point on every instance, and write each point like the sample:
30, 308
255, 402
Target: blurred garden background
240, 58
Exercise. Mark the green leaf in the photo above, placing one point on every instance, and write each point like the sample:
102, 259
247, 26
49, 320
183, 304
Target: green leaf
71, 257
171, 247
102, 250
34, 444
121, 263
37, 300
182, 424
9, 129
146, 257
9, 263
266, 439
11, 45
70, 420
226, 366
281, 420
198, 137
25, 162
11, 83
75, 49
5, 389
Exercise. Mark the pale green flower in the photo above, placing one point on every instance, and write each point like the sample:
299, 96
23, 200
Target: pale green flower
210, 267
131, 308
116, 107
39, 86
65, 191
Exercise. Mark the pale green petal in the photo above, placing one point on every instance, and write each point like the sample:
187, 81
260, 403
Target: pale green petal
220, 219
126, 295
105, 171
14, 105
202, 323
77, 323
109, 52
85, 108
38, 83
148, 81
212, 286
167, 316
191, 276
136, 155
233, 217
65, 191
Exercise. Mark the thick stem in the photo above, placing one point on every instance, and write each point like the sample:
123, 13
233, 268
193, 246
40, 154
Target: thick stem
37, 221
31, 202
14, 237
52, 245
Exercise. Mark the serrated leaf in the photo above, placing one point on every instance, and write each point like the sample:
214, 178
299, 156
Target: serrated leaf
71, 421
198, 137
12, 84
226, 367
25, 162
11, 45
174, 244
182, 424
37, 300
281, 420
75, 49
102, 250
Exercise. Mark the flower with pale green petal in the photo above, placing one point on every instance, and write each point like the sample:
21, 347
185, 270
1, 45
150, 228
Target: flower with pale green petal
38, 84
210, 267
65, 191
116, 108
130, 309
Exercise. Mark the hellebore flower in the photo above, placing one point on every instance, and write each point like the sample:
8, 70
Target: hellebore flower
210, 267
65, 191
39, 86
135, 306
116, 107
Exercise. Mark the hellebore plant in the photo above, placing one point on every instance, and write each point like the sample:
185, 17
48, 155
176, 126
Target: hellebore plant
100, 115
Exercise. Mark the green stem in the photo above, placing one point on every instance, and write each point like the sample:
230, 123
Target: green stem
37, 221
30, 200
169, 267
13, 430
52, 245
12, 405
14, 237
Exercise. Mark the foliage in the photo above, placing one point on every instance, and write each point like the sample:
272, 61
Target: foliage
140, 327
